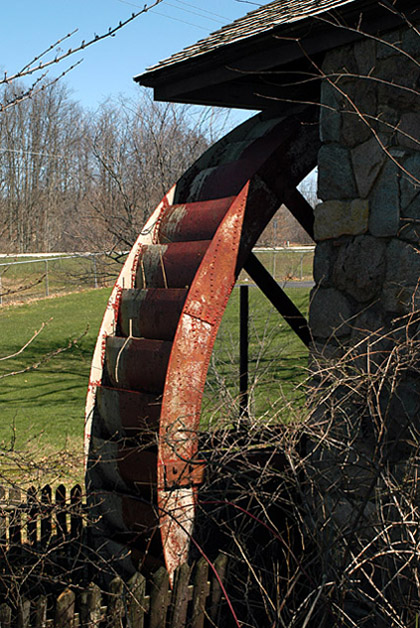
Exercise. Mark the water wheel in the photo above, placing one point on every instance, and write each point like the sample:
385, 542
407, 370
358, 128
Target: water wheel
153, 350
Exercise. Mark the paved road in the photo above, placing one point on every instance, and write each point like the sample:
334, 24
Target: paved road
285, 284
297, 284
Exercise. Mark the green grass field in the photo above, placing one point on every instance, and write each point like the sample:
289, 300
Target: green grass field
42, 407
277, 361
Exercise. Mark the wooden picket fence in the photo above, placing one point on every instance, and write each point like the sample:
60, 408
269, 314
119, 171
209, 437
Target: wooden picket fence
42, 543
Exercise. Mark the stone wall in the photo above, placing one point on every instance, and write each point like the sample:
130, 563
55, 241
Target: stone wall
368, 225
363, 313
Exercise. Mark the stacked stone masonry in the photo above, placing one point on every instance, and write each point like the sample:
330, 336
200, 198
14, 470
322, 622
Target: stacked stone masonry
364, 307
368, 224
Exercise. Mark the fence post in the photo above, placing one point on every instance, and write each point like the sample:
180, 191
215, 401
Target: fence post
1, 291
179, 604
32, 515
46, 525
15, 520
76, 520
115, 612
5, 616
40, 612
95, 274
136, 601
3, 520
243, 352
90, 606
200, 593
220, 565
23, 613
64, 610
47, 286
159, 598
61, 515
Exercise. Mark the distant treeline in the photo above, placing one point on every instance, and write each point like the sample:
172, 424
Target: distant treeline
71, 179
76, 180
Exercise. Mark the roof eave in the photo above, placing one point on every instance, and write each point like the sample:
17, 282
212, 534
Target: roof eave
186, 81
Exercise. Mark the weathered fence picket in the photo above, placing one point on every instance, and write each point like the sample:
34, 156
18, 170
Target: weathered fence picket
50, 527
201, 591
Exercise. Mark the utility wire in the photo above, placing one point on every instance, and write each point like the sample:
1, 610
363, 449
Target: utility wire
175, 19
189, 4
169, 4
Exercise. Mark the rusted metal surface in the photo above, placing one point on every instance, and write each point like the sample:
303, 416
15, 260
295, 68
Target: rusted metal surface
137, 466
129, 413
187, 370
192, 221
179, 473
137, 363
170, 265
159, 329
152, 313
109, 322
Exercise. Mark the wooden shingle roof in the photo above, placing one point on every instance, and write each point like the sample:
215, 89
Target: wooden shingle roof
253, 23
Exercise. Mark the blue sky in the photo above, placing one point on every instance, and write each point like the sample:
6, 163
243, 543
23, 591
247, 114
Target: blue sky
28, 27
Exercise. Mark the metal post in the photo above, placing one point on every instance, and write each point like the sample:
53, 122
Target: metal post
301, 266
47, 287
1, 291
243, 352
275, 247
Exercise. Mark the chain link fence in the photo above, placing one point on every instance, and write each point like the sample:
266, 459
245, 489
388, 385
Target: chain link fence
24, 278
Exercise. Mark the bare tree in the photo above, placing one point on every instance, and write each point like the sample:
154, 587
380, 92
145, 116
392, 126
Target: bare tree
138, 151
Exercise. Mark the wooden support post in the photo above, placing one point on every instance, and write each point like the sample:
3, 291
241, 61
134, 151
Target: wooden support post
278, 298
243, 352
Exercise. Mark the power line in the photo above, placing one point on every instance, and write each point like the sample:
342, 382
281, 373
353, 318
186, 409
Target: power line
189, 4
177, 19
169, 4
170, 17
